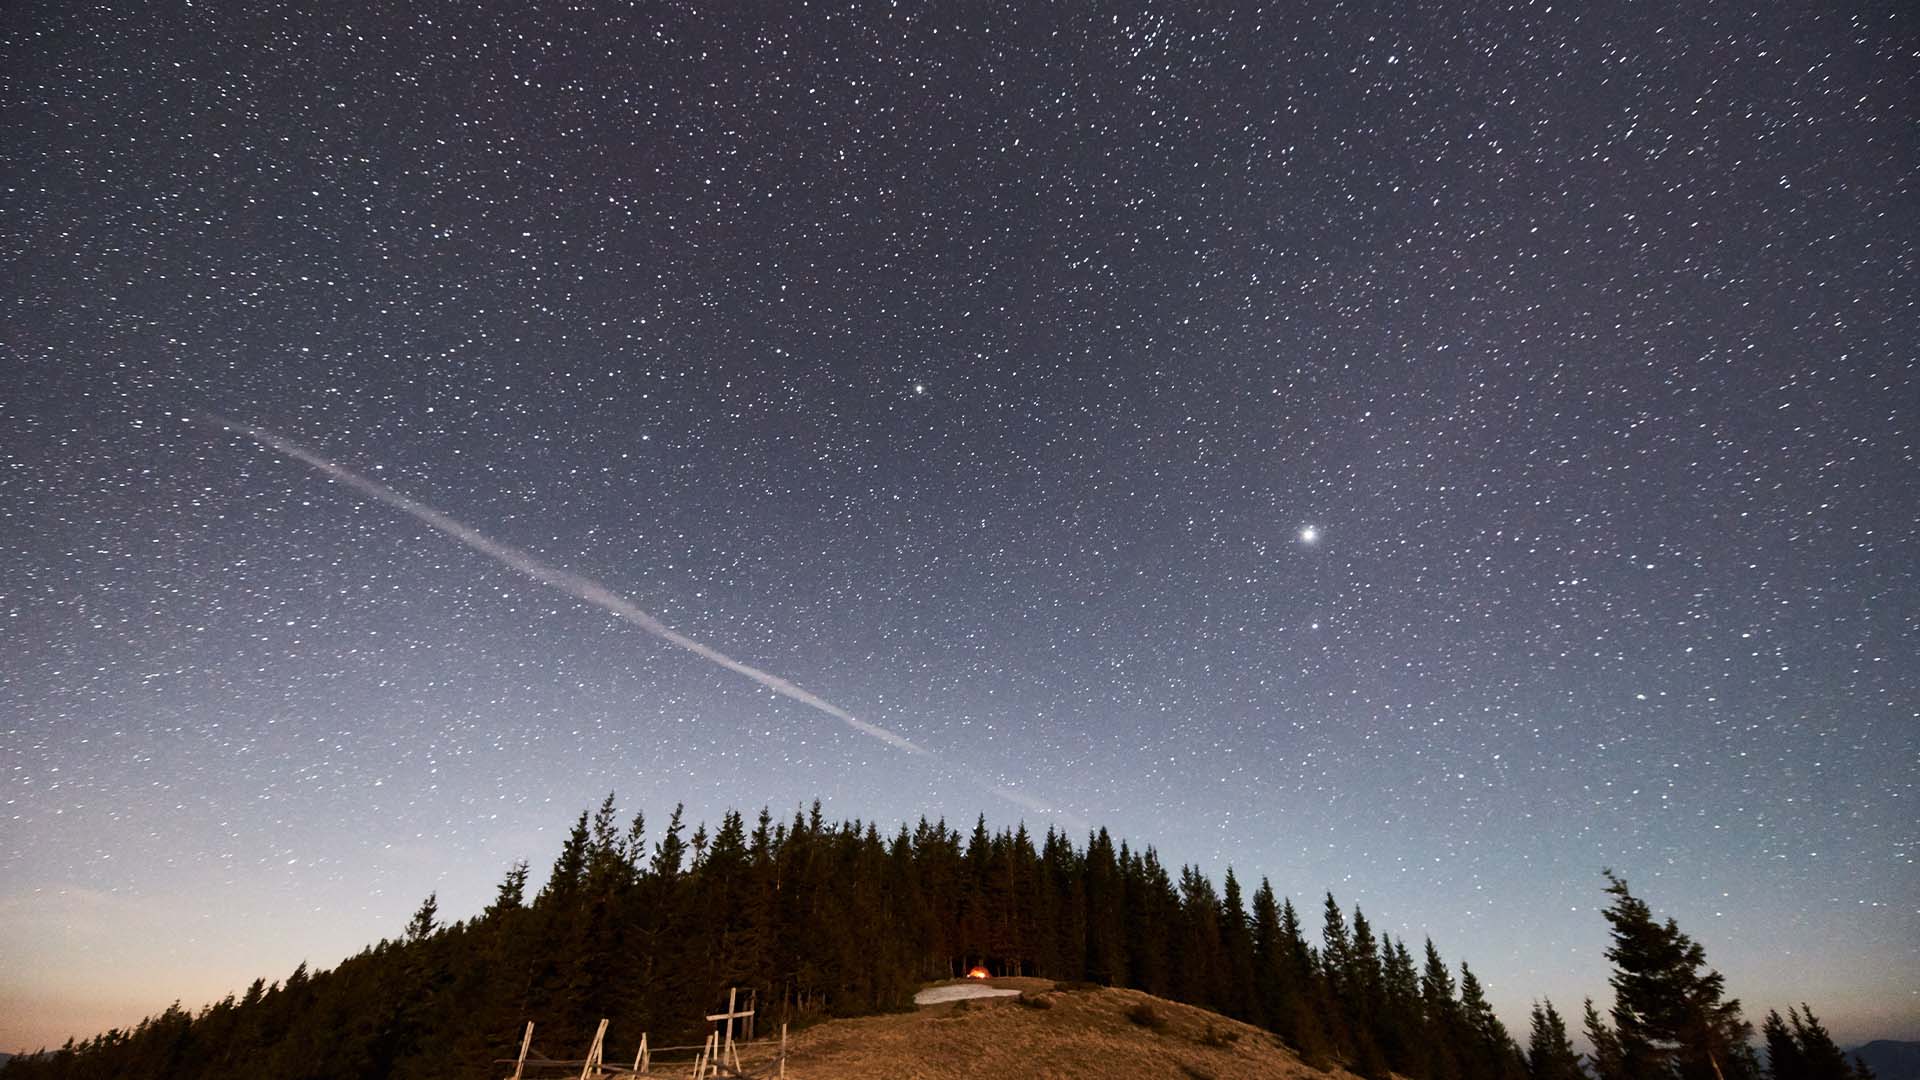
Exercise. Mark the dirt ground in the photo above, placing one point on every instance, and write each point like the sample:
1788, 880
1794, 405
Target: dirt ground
1084, 1033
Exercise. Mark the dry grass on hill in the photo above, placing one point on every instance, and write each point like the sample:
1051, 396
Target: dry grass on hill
1076, 1033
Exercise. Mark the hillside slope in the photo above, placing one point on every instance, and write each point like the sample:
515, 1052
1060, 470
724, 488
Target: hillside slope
1891, 1059
1078, 1033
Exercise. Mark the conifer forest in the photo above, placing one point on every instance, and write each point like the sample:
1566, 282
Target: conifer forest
828, 920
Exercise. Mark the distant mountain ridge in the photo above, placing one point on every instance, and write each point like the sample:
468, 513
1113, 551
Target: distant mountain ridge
1890, 1059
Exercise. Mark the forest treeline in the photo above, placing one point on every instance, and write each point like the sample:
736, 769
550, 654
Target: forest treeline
825, 919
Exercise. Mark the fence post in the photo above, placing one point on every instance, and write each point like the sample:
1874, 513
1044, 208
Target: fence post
521, 1065
592, 1065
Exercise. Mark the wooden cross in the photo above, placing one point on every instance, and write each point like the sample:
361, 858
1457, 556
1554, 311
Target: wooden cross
732, 1013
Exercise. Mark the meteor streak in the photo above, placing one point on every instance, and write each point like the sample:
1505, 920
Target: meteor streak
566, 581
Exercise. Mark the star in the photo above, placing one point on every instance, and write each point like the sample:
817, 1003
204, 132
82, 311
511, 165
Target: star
1160, 331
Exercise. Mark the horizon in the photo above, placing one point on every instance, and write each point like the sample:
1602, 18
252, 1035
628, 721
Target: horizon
1422, 455
1512, 1004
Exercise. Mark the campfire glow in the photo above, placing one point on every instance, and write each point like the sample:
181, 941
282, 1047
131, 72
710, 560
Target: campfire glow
979, 973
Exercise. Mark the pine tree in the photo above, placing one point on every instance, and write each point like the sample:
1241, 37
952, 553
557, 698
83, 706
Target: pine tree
1809, 1052
1442, 1015
721, 893
1550, 1053
1362, 1000
1362, 978
569, 867
1270, 975
1283, 976
1436, 988
512, 891
1202, 961
1299, 954
670, 853
1336, 949
974, 931
1784, 1059
1609, 1058
1399, 1023
1669, 1014
1236, 940
1105, 921
425, 920
1483, 1038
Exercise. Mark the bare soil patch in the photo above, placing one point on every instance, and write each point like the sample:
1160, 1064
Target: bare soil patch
1076, 1034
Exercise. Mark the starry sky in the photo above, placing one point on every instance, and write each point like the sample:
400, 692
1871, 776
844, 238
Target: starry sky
1427, 455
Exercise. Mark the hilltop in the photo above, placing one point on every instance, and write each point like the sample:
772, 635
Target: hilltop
1050, 1032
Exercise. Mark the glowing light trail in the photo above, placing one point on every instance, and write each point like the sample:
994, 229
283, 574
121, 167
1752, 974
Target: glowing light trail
571, 583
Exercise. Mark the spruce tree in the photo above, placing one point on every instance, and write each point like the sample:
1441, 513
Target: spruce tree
1669, 1013
1784, 1059
1300, 1022
1363, 975
1270, 975
1106, 956
1483, 1038
512, 891
1336, 949
1362, 1000
1236, 940
1609, 1058
570, 865
1550, 1053
1202, 961
1819, 1058
1399, 1025
1151, 919
425, 920
1436, 988
1442, 1015
1299, 953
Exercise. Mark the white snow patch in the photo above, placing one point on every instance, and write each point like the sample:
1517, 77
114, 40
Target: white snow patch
936, 995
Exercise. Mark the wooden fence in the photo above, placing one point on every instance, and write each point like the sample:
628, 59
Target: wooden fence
720, 1056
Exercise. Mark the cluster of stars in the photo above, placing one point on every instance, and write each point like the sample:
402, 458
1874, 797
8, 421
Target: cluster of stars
1426, 455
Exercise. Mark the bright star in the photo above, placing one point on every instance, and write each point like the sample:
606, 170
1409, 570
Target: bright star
919, 388
1309, 535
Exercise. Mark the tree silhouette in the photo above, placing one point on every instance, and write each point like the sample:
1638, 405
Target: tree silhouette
819, 919
1670, 1016
426, 919
1550, 1053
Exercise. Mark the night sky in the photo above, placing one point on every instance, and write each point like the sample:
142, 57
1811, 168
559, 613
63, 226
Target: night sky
1427, 456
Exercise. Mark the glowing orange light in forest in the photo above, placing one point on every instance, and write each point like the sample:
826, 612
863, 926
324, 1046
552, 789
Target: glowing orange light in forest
979, 973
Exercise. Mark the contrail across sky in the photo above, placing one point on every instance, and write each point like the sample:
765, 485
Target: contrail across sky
585, 588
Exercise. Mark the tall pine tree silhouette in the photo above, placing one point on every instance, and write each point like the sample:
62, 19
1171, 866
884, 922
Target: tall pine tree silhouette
1670, 1015
1550, 1053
